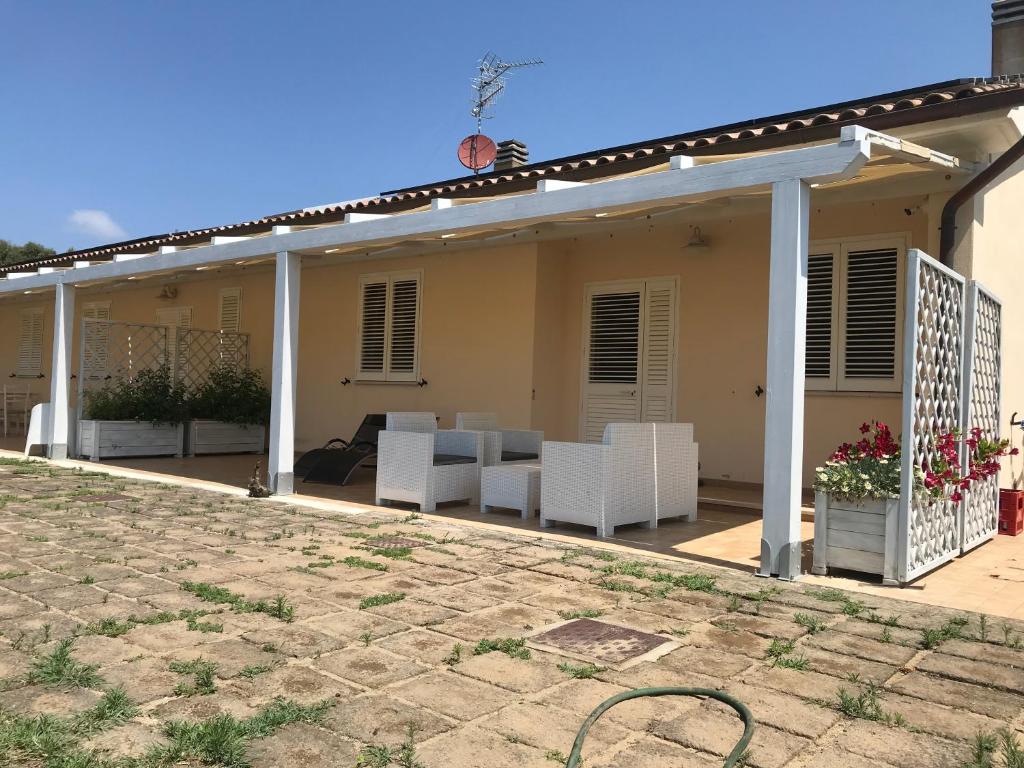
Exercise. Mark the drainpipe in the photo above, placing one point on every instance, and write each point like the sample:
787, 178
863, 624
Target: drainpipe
947, 229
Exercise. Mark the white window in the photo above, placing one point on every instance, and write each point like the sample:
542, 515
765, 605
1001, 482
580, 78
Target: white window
855, 315
96, 341
230, 310
30, 344
389, 312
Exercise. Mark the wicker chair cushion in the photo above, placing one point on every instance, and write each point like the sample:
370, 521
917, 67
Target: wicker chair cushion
445, 459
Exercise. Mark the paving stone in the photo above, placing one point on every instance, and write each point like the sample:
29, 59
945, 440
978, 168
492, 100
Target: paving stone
805, 684
832, 756
994, 674
301, 745
650, 752
855, 645
901, 747
454, 695
349, 625
549, 728
137, 586
727, 637
144, 679
999, 654
231, 655
538, 672
369, 667
784, 712
459, 599
844, 666
70, 596
49, 700
475, 747
424, 646
765, 626
128, 740
503, 590
301, 684
380, 718
985, 701
414, 611
581, 697
941, 720
35, 582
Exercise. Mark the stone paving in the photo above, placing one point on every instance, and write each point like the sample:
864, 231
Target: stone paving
255, 632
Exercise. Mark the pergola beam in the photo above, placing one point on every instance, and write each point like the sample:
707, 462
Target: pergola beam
813, 164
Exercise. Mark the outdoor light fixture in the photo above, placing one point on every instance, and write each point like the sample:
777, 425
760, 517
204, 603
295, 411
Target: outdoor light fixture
697, 239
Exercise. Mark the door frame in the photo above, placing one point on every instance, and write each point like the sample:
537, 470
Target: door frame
588, 288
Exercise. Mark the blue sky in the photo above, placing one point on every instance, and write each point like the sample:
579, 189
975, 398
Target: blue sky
124, 119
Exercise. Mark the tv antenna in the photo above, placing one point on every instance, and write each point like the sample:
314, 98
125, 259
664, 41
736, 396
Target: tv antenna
490, 83
477, 151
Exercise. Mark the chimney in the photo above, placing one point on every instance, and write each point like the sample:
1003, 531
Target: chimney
513, 153
1007, 38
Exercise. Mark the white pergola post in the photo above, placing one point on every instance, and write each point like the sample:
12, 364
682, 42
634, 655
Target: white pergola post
60, 371
784, 418
280, 472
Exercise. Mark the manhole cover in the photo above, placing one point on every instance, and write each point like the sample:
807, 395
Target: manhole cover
608, 643
396, 542
104, 497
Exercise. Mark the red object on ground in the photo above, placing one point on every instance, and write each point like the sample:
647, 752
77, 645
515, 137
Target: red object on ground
1011, 512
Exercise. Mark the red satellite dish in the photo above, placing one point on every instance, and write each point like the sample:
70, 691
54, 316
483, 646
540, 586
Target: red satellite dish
477, 151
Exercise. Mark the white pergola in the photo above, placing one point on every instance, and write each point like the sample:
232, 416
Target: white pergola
789, 175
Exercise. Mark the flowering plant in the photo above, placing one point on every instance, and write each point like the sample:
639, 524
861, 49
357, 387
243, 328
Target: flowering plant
870, 468
867, 469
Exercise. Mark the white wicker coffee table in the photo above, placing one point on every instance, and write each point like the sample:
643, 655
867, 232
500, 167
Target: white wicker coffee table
512, 486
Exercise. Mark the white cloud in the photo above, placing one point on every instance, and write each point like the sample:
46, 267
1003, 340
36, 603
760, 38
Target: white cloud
97, 224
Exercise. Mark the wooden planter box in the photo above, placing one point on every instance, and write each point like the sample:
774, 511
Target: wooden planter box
855, 536
209, 436
109, 439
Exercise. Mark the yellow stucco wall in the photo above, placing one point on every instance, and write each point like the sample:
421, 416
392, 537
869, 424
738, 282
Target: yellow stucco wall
996, 258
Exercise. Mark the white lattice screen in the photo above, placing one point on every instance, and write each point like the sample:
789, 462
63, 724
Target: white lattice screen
929, 530
982, 381
117, 350
199, 352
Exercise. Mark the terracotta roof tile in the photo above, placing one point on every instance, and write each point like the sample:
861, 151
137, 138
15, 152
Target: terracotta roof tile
917, 105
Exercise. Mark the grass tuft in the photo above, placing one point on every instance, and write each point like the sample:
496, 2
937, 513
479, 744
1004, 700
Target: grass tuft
514, 647
385, 599
60, 668
812, 624
583, 613
359, 562
580, 672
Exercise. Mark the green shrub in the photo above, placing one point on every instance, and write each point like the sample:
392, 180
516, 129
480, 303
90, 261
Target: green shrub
149, 395
237, 396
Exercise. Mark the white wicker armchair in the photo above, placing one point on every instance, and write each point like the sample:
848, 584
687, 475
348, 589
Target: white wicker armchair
503, 446
640, 473
419, 464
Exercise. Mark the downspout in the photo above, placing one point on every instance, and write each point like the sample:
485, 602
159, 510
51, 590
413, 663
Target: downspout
947, 229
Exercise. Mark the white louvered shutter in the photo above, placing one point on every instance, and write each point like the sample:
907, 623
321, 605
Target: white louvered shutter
373, 311
230, 319
403, 321
175, 319
30, 344
657, 392
872, 308
96, 341
822, 311
613, 336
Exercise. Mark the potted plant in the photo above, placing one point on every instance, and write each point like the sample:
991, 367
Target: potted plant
229, 412
856, 493
140, 415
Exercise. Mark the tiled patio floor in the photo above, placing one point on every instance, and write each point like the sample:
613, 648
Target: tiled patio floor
990, 579
362, 645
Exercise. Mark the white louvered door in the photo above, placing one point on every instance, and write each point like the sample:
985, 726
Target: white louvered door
657, 394
628, 354
174, 318
96, 341
30, 344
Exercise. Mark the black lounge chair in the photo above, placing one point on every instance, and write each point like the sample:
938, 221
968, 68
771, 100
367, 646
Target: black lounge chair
338, 459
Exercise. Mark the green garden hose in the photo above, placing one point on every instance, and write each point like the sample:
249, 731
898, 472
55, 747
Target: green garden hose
731, 759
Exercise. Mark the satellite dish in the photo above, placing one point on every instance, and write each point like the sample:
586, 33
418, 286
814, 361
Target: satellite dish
477, 151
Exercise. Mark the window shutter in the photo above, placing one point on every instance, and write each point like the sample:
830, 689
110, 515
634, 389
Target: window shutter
30, 344
230, 310
821, 312
403, 321
614, 338
871, 331
658, 351
96, 342
373, 303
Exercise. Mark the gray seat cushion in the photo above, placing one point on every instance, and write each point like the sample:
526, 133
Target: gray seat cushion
518, 456
444, 459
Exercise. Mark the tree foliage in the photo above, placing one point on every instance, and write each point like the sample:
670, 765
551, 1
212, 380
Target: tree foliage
15, 254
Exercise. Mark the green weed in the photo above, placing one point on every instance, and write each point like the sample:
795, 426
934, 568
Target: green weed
385, 599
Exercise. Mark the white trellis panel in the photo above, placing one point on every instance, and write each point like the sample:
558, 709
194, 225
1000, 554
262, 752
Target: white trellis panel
979, 511
112, 350
929, 531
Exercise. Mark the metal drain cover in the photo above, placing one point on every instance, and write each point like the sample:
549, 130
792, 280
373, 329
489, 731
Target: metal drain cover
600, 641
104, 497
396, 542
